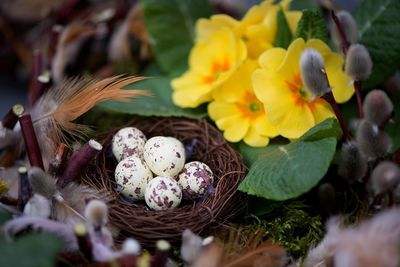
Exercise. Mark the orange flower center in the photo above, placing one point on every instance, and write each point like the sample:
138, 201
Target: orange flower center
300, 95
250, 107
217, 68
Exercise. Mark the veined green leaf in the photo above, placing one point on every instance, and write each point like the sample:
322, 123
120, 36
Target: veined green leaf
312, 25
287, 171
171, 26
283, 35
379, 28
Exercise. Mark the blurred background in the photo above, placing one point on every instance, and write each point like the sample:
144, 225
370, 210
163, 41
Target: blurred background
25, 27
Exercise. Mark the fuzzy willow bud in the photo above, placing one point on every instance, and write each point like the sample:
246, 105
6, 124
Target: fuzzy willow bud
313, 72
349, 27
96, 212
378, 108
385, 177
371, 141
358, 62
353, 164
41, 182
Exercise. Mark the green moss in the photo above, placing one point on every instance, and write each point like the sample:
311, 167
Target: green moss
292, 227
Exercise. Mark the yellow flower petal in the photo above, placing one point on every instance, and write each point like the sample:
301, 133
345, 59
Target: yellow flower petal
218, 110
290, 64
284, 110
235, 127
293, 18
236, 86
342, 86
322, 111
206, 27
254, 139
272, 59
263, 127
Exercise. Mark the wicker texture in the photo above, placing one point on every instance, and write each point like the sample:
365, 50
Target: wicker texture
212, 211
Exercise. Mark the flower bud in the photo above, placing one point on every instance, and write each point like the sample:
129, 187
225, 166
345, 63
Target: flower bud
96, 212
349, 26
41, 182
191, 246
38, 206
385, 177
358, 63
378, 108
353, 164
313, 72
371, 141
131, 247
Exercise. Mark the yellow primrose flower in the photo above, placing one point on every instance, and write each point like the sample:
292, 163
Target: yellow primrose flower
238, 112
257, 28
211, 62
288, 104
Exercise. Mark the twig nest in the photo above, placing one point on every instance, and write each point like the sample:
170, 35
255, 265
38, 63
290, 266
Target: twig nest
165, 156
132, 175
163, 193
128, 141
195, 178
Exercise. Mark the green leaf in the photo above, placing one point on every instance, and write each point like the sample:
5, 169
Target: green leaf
4, 215
30, 251
328, 128
379, 28
312, 25
171, 27
283, 36
159, 103
289, 171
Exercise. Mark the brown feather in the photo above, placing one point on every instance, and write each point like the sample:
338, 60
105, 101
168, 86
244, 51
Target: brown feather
55, 112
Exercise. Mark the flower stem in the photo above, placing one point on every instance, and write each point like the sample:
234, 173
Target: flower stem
25, 189
10, 119
78, 161
161, 255
85, 245
342, 36
345, 47
31, 142
331, 100
357, 88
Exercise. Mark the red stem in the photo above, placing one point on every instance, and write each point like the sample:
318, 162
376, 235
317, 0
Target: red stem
342, 35
357, 88
10, 119
84, 243
54, 36
25, 189
161, 255
31, 142
36, 88
331, 100
78, 161
345, 47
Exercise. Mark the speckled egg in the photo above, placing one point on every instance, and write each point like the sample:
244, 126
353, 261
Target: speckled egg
128, 141
165, 156
163, 193
195, 178
132, 175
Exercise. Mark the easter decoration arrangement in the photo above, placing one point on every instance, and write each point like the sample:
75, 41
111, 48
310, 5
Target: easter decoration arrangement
200, 133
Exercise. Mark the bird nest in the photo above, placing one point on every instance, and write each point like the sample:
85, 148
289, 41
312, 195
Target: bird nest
204, 143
